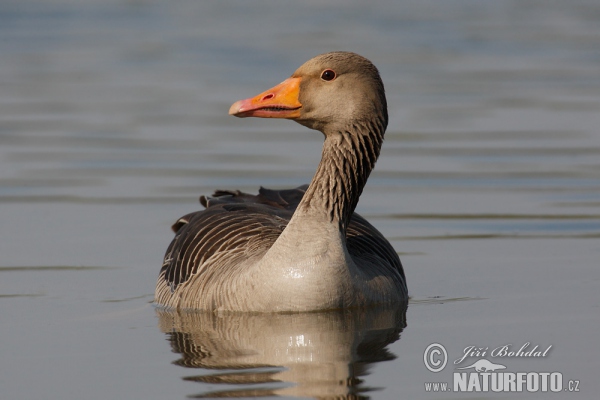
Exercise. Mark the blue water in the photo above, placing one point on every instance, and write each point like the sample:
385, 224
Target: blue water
113, 120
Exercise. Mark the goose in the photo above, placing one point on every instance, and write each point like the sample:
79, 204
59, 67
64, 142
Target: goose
302, 249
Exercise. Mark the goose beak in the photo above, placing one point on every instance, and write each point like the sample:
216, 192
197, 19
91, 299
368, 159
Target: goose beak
278, 102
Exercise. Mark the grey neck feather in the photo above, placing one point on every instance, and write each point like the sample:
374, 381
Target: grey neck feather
347, 160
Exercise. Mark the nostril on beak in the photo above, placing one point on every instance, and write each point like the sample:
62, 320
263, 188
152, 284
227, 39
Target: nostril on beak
268, 96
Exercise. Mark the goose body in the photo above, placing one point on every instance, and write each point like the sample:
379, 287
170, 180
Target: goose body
301, 249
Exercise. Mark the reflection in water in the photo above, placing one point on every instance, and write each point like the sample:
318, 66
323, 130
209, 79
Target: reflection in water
308, 354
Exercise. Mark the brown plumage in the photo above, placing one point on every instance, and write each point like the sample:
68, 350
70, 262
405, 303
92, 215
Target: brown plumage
301, 249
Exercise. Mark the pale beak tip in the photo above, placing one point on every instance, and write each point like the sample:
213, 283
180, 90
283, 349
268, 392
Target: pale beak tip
234, 109
237, 109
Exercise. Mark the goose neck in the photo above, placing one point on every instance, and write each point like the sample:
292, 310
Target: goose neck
347, 159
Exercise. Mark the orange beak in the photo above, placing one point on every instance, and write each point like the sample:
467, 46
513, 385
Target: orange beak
278, 102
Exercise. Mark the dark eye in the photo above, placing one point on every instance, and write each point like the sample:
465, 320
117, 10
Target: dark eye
328, 75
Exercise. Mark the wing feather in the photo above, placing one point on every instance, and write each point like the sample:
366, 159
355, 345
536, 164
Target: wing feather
238, 225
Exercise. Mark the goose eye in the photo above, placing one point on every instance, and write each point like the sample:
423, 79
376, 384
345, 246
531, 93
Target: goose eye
328, 75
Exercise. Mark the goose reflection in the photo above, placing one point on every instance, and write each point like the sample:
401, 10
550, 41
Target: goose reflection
319, 354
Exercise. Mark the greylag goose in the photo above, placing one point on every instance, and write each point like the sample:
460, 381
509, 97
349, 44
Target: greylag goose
301, 249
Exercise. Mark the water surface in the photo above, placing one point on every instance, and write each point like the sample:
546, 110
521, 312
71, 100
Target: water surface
113, 120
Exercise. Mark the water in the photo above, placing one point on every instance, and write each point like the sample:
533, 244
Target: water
113, 120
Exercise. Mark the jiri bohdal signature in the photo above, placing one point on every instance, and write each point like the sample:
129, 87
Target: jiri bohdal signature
503, 351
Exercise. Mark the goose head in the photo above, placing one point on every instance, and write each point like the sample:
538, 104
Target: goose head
331, 92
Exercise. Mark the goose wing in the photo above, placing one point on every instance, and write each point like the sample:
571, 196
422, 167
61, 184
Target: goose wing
234, 225
237, 226
366, 243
